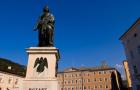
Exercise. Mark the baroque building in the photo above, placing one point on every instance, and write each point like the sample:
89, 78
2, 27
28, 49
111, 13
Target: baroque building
90, 79
11, 75
131, 42
10, 81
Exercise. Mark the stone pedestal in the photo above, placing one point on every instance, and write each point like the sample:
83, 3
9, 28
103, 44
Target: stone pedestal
41, 69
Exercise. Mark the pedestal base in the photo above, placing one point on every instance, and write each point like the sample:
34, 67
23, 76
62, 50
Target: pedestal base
41, 69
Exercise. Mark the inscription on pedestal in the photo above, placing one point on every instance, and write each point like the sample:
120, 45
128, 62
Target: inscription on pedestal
37, 88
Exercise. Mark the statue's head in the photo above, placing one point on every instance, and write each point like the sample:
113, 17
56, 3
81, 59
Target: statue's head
46, 9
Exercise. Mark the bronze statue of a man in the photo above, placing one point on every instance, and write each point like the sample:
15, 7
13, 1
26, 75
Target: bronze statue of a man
45, 27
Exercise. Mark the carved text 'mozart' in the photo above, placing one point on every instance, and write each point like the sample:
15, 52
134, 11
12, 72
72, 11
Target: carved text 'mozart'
37, 88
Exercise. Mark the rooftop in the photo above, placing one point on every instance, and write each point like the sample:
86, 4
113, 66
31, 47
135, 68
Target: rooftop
129, 28
12, 68
74, 69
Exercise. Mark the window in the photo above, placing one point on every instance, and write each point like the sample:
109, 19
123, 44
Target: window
9, 67
72, 81
0, 80
100, 79
88, 80
75, 81
135, 35
80, 80
16, 82
84, 87
131, 54
69, 75
100, 86
72, 88
94, 79
105, 79
9, 81
65, 82
135, 69
106, 86
76, 88
89, 87
84, 80
72, 75
138, 49
68, 82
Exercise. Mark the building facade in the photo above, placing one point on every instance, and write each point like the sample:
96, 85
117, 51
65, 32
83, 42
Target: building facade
10, 81
89, 79
131, 42
11, 75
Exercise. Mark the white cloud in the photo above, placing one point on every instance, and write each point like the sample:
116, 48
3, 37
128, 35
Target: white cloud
118, 66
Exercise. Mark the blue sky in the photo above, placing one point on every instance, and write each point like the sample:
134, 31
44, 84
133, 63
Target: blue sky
86, 31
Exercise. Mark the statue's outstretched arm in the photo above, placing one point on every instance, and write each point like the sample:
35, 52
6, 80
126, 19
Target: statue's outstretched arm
36, 25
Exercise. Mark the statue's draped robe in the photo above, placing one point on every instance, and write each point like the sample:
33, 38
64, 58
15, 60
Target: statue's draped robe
46, 30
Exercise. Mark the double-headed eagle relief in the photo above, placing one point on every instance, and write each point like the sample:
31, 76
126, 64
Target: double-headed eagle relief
45, 27
41, 63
